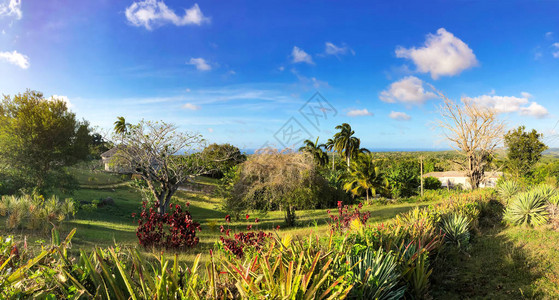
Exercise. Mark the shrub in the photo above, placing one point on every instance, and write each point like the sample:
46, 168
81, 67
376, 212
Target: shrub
548, 192
508, 189
172, 230
455, 228
528, 208
375, 276
33, 211
432, 183
346, 214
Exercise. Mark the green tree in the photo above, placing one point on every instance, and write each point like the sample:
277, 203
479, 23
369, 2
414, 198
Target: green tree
403, 178
524, 150
315, 150
346, 144
121, 127
364, 177
39, 137
222, 158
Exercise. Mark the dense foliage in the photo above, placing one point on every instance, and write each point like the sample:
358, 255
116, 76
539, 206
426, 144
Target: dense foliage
34, 211
524, 150
221, 158
172, 230
38, 138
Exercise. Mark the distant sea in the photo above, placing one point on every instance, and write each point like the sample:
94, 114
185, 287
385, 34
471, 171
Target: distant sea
251, 151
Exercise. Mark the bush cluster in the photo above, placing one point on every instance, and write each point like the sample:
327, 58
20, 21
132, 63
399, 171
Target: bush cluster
173, 230
34, 211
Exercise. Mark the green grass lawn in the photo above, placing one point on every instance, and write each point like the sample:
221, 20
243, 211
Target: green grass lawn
110, 225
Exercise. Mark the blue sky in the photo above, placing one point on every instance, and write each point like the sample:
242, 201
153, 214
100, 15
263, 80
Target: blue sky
240, 72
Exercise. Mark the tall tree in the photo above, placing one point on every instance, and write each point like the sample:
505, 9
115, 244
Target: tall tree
315, 150
331, 146
121, 127
524, 150
347, 144
162, 155
39, 137
474, 131
364, 176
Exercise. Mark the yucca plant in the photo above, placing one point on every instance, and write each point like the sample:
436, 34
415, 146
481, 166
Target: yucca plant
528, 208
376, 276
456, 229
508, 189
548, 192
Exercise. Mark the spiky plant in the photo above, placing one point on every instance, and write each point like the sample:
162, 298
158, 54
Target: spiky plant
376, 276
528, 208
456, 229
548, 192
508, 189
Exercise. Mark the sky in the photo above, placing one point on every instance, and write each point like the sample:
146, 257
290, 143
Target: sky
272, 73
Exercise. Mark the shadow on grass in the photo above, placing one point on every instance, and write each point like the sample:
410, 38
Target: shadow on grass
494, 268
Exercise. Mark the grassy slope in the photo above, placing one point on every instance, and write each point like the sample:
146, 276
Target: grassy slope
105, 226
502, 263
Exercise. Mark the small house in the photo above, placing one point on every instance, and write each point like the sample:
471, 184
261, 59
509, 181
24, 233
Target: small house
453, 179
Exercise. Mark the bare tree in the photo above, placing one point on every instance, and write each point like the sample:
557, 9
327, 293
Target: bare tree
474, 131
162, 155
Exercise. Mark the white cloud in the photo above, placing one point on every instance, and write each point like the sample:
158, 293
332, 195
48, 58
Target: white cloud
63, 99
11, 9
408, 90
148, 13
549, 34
332, 49
511, 104
402, 116
359, 113
15, 58
200, 64
525, 95
556, 53
191, 106
534, 110
298, 55
442, 55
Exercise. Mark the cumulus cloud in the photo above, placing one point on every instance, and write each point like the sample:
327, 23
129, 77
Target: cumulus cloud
332, 49
443, 54
299, 55
63, 99
534, 110
11, 8
408, 90
191, 106
511, 104
549, 34
359, 113
149, 13
200, 64
15, 58
401, 116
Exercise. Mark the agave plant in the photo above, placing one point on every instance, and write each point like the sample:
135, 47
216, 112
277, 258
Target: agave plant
528, 208
376, 276
507, 189
548, 192
455, 227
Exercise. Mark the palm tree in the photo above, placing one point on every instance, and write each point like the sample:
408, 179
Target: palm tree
345, 143
316, 151
330, 146
364, 177
121, 127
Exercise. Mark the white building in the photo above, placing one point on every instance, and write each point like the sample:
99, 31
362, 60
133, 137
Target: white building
452, 179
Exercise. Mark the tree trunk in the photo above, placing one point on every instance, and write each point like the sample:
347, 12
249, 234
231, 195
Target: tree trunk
333, 159
367, 194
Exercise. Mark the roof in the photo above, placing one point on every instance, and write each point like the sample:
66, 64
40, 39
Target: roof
110, 152
460, 174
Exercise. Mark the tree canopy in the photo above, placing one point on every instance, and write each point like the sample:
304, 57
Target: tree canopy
38, 137
524, 150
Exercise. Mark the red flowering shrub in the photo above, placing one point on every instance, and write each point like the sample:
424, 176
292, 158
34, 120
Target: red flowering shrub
346, 214
173, 230
243, 240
